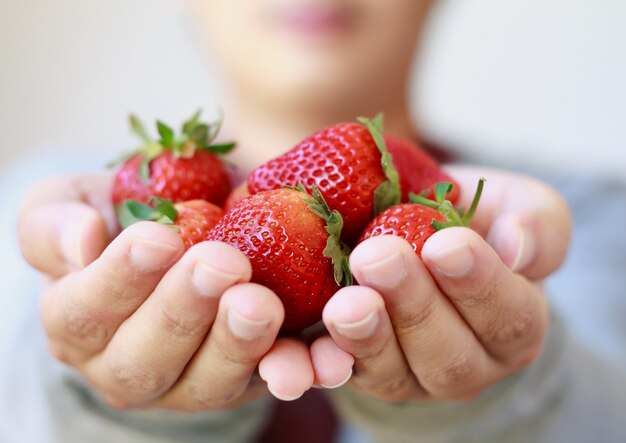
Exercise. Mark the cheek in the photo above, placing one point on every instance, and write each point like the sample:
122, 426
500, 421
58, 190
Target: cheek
229, 29
397, 17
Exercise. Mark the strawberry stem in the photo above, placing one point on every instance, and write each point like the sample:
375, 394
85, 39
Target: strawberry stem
139, 129
158, 210
195, 135
335, 249
453, 217
467, 218
388, 193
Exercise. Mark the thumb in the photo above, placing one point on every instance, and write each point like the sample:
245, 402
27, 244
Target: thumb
62, 237
532, 243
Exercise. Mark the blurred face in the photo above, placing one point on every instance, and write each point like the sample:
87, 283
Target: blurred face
313, 53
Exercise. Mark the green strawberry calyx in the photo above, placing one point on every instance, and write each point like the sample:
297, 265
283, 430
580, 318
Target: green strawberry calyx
335, 249
388, 192
194, 136
158, 210
453, 216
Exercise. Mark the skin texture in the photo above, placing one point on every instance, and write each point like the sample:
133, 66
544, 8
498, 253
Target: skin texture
149, 325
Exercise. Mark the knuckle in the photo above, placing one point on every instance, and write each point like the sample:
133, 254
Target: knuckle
177, 326
394, 391
373, 353
452, 375
231, 356
84, 327
479, 294
134, 379
106, 283
206, 398
511, 331
411, 320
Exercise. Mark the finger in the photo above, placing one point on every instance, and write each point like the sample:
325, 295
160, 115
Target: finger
439, 347
82, 311
237, 194
60, 238
65, 223
150, 350
331, 364
247, 323
356, 319
527, 222
506, 312
91, 189
287, 369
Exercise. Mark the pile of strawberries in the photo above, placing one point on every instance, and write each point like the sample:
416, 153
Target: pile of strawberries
306, 210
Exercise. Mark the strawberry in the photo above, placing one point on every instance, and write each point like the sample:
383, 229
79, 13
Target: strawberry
193, 219
417, 221
236, 195
292, 242
345, 162
351, 165
178, 168
418, 170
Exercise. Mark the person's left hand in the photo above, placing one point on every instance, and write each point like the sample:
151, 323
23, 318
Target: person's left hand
469, 312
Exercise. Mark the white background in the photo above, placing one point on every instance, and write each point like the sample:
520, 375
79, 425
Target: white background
522, 81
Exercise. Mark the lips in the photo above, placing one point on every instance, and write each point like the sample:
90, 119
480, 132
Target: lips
312, 19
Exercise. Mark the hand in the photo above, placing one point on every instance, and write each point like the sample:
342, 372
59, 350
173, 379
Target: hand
146, 324
470, 311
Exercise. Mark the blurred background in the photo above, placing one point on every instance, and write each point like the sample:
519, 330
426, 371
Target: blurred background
545, 75
523, 83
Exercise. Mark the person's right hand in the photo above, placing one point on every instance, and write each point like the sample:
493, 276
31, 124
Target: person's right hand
147, 324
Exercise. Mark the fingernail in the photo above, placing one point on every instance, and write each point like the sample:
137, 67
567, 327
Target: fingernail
526, 249
245, 328
71, 243
338, 385
361, 329
283, 397
455, 261
386, 273
149, 255
211, 282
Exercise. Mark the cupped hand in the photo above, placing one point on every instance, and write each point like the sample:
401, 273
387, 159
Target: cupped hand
147, 324
470, 312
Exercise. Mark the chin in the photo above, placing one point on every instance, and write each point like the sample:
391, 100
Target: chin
325, 90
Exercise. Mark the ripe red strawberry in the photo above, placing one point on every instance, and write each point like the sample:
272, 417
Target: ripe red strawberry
193, 219
352, 167
419, 172
344, 162
416, 222
292, 242
178, 168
